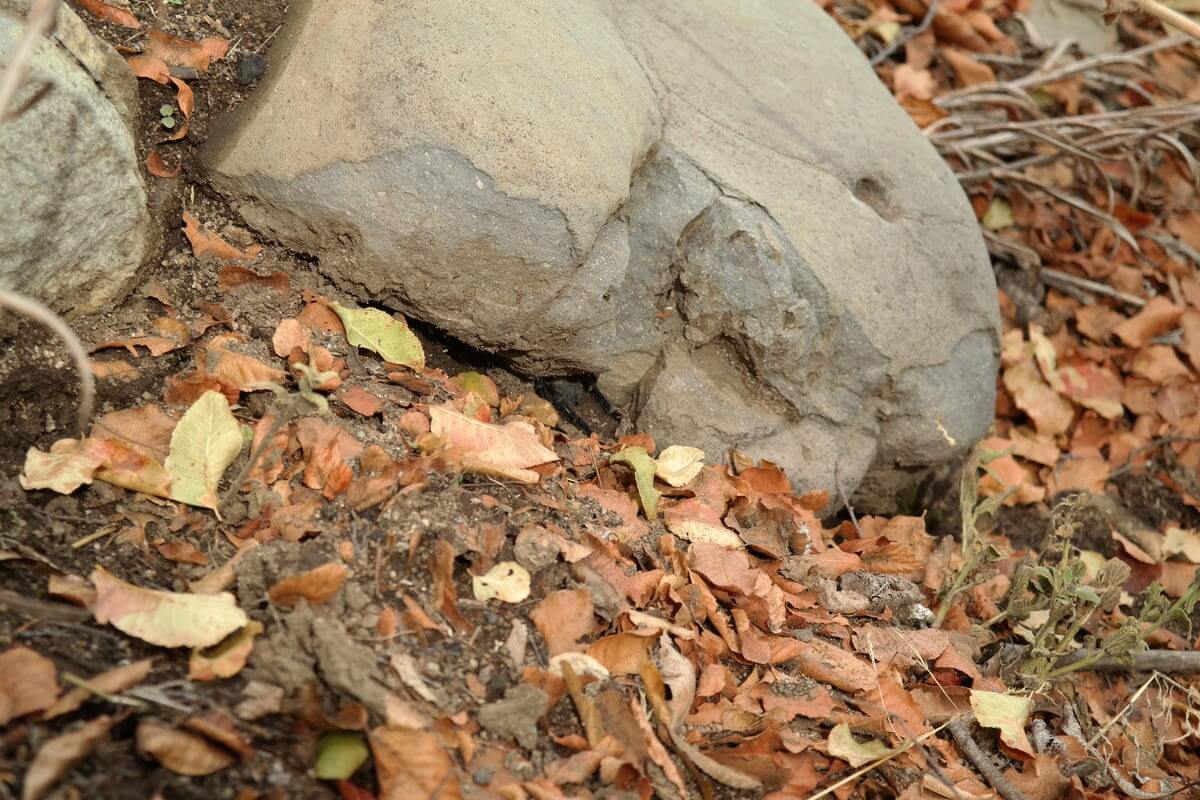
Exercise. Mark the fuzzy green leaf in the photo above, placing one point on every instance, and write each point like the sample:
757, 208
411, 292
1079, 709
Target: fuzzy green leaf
382, 333
339, 755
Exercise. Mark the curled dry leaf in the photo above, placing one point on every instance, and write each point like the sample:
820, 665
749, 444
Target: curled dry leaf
227, 658
361, 401
238, 369
167, 619
71, 463
317, 585
182, 552
678, 464
505, 450
621, 653
826, 663
1006, 713
61, 753
206, 243
506, 581
380, 332
179, 751
412, 763
111, 682
290, 335
158, 168
184, 52
28, 683
843, 745
233, 275
679, 674
480, 384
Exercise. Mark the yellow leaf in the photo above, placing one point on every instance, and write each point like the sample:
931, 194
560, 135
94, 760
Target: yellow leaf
1006, 713
507, 581
382, 333
1178, 541
679, 464
167, 619
508, 450
69, 464
204, 444
843, 745
998, 215
643, 472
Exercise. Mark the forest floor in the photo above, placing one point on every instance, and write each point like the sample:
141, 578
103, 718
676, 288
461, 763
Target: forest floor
410, 572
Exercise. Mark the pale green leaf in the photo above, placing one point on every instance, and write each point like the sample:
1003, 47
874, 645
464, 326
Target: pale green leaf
339, 755
843, 745
1006, 713
382, 333
507, 581
644, 468
998, 215
203, 445
167, 619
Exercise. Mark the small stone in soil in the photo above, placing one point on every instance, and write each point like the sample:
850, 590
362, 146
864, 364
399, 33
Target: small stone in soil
483, 776
250, 68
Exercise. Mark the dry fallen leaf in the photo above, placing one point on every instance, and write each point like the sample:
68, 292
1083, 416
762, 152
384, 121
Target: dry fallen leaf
205, 442
412, 763
184, 52
28, 683
504, 450
382, 333
506, 581
1005, 712
179, 751
71, 463
643, 467
317, 585
843, 745
158, 168
563, 617
56, 756
227, 658
206, 243
678, 464
167, 619
110, 13
361, 401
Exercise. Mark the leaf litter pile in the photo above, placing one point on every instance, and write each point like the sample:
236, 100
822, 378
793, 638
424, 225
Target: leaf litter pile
297, 559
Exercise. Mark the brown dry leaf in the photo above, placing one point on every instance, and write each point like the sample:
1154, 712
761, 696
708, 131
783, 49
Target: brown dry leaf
361, 401
110, 13
504, 450
968, 71
826, 663
289, 336
443, 586
1051, 412
28, 683
158, 168
111, 682
157, 345
146, 429
179, 751
1159, 364
918, 84
227, 658
184, 52
328, 449
233, 275
206, 243
71, 463
563, 618
317, 585
116, 369
1157, 317
620, 504
1041, 779
167, 619
56, 756
223, 576
182, 552
412, 764
621, 653
237, 369
905, 648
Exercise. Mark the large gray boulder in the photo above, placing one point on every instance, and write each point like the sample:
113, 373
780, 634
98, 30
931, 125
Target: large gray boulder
74, 227
714, 207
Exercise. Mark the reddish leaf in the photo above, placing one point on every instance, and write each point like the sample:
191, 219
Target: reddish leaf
206, 243
110, 13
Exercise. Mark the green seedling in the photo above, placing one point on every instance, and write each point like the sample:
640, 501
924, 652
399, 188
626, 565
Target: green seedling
166, 115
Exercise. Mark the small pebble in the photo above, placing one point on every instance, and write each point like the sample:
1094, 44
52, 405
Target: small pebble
250, 68
483, 776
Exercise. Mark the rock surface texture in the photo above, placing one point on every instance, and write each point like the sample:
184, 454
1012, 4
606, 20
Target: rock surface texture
75, 224
715, 208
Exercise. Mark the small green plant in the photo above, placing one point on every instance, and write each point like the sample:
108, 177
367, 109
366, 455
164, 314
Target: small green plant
166, 115
175, 2
977, 554
1051, 597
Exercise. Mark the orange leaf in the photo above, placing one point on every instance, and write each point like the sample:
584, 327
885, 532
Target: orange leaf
826, 663
28, 683
316, 586
413, 763
238, 369
622, 653
507, 450
968, 71
232, 275
109, 13
179, 751
182, 552
361, 401
156, 167
289, 335
1157, 317
184, 52
443, 585
205, 242
563, 618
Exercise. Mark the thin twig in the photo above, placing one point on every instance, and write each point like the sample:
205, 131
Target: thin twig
1168, 15
980, 760
1053, 276
1169, 662
31, 308
906, 37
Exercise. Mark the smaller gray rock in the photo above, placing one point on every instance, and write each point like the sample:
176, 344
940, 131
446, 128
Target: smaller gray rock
517, 714
536, 548
250, 67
